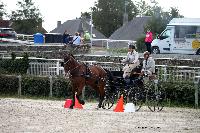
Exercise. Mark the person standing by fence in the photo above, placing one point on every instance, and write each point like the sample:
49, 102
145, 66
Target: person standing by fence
65, 37
148, 40
76, 39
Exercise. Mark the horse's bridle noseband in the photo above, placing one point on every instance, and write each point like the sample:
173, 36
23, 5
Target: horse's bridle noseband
70, 67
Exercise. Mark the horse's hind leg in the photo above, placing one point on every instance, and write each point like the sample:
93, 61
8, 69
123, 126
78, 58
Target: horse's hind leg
100, 101
101, 97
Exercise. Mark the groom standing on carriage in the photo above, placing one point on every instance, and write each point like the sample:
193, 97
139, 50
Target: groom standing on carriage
131, 60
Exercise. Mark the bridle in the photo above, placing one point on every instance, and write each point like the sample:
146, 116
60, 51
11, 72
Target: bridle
69, 68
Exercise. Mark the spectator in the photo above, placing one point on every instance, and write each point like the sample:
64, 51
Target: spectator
148, 40
131, 61
76, 39
86, 36
66, 37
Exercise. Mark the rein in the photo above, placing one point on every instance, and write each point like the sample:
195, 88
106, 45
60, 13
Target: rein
70, 67
75, 68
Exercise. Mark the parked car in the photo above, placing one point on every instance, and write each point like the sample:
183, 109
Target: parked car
7, 33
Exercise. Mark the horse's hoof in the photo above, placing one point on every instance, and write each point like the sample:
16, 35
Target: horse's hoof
82, 102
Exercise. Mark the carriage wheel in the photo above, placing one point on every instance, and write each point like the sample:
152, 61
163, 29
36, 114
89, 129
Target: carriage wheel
155, 98
137, 96
107, 103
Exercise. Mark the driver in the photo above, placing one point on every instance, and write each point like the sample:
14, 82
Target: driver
148, 65
131, 61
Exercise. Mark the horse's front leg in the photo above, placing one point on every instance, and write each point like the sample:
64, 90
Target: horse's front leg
81, 101
73, 101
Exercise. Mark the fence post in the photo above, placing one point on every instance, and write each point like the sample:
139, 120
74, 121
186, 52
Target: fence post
57, 68
156, 85
20, 85
165, 73
107, 45
196, 82
51, 85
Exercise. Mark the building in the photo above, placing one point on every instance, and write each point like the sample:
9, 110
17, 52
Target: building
77, 25
131, 30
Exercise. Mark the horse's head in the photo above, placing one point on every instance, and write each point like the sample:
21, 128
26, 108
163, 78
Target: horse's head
68, 62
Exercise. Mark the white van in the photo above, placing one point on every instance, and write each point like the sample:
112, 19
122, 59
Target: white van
182, 35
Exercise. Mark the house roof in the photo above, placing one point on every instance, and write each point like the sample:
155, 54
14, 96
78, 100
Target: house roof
79, 25
71, 26
132, 30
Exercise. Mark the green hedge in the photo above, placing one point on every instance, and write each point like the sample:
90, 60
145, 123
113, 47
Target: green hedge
62, 88
180, 93
9, 85
140, 44
13, 65
177, 93
35, 86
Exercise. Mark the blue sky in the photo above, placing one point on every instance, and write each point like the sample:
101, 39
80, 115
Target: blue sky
63, 10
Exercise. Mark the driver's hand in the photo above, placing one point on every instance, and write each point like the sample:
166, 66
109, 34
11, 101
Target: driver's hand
142, 73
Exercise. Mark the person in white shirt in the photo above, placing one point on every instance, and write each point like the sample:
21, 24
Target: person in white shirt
148, 65
76, 39
132, 60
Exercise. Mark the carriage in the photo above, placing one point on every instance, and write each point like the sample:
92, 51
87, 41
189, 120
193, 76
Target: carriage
136, 89
111, 85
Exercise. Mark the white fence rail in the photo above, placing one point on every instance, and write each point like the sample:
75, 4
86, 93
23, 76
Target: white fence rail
53, 67
49, 67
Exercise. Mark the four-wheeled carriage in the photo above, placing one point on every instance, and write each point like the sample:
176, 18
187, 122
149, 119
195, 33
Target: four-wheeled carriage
135, 89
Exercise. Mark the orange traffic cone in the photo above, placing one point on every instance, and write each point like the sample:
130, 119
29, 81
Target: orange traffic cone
68, 102
77, 104
120, 105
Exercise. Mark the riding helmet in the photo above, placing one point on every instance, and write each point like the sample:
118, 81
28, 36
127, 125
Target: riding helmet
131, 46
146, 53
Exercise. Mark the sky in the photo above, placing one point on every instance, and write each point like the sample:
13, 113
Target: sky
63, 10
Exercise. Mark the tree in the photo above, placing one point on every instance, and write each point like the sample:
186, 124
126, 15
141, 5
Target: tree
143, 9
27, 18
108, 14
86, 15
174, 13
161, 18
2, 10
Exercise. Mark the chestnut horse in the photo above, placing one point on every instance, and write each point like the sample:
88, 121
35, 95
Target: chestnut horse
81, 75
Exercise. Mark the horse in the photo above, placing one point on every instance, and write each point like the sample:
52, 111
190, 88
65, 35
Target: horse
81, 75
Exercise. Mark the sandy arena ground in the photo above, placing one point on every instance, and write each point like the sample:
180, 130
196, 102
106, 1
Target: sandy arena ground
25, 115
